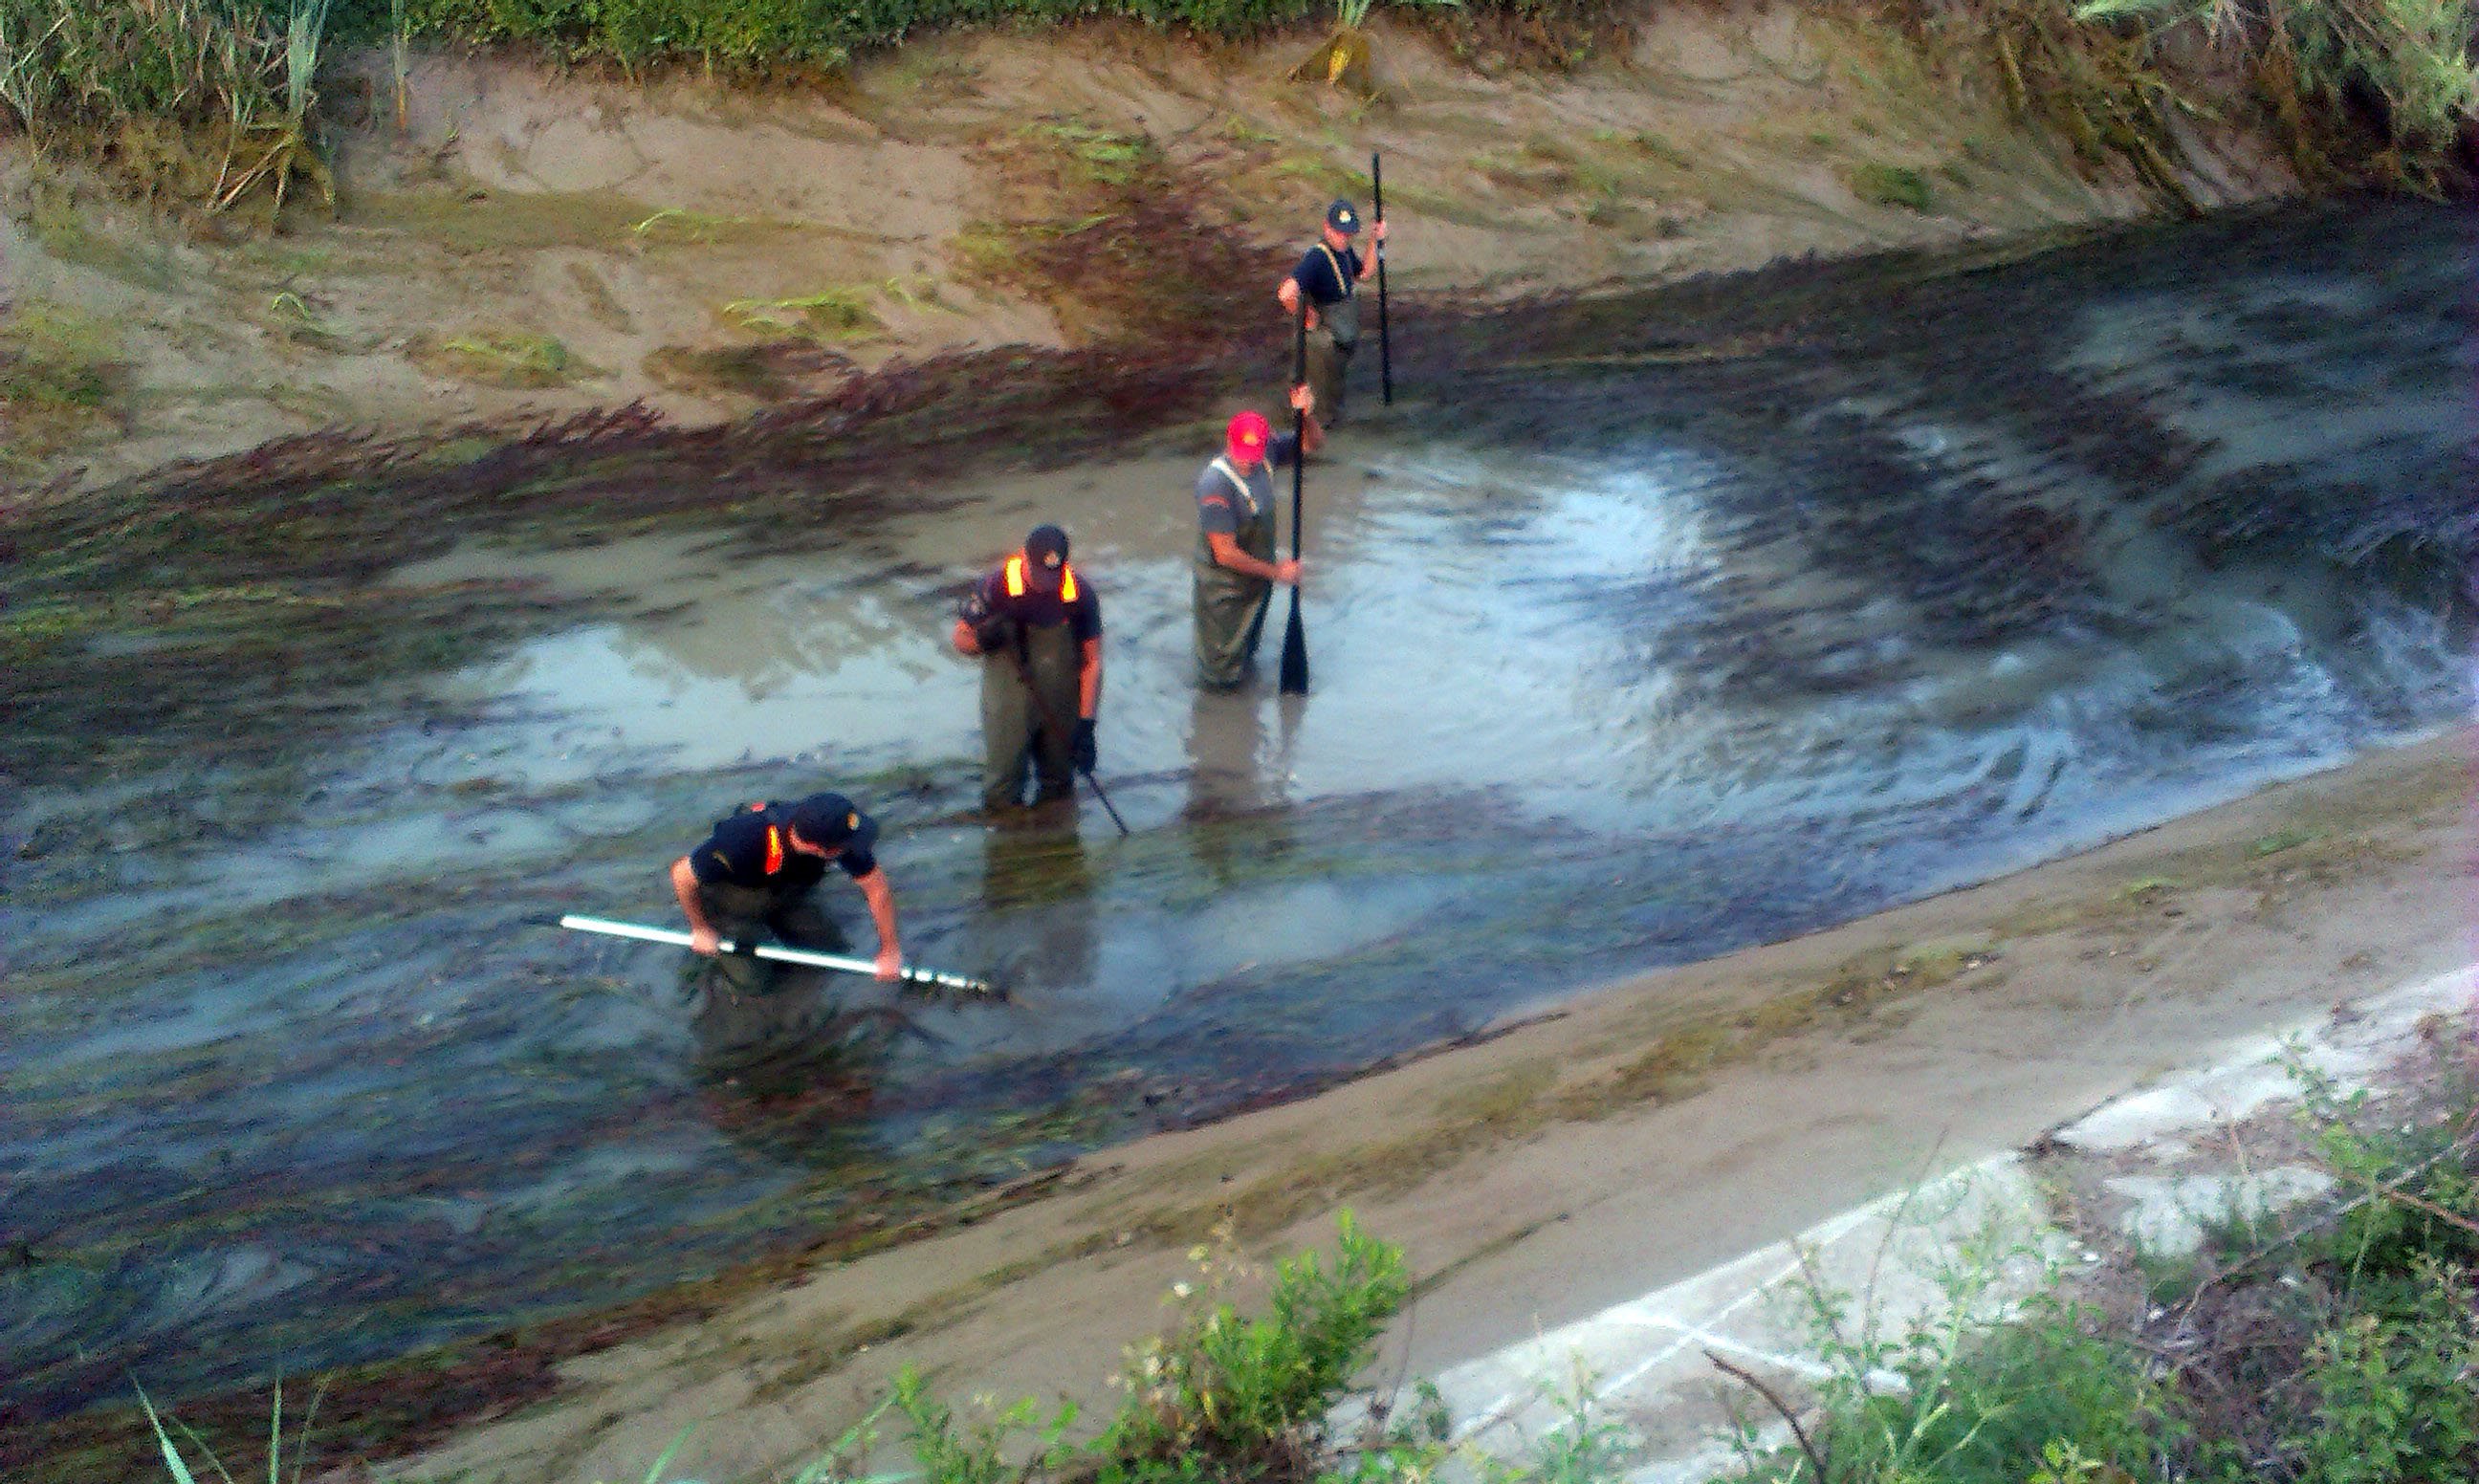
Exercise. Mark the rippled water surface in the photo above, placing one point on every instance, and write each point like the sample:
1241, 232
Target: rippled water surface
1621, 658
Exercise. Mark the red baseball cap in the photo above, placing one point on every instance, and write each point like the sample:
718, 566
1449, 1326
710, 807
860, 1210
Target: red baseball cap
1246, 436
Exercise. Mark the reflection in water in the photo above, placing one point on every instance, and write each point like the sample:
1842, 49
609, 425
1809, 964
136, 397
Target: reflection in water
1615, 666
790, 1071
1036, 876
1231, 771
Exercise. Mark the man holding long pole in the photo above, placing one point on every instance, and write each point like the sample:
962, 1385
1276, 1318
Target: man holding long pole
761, 867
1038, 626
1327, 284
1235, 569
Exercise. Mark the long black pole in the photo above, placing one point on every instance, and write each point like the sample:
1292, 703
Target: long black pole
1050, 724
1295, 638
1385, 342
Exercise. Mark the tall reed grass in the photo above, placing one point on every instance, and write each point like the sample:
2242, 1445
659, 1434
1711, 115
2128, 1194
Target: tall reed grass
207, 100
2357, 87
2356, 90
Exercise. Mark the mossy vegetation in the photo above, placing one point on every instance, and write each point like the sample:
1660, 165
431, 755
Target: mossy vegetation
61, 374
1890, 185
1104, 230
837, 314
506, 357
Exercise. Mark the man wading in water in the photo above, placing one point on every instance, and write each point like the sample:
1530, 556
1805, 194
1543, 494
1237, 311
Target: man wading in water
1330, 274
760, 869
1234, 567
1037, 627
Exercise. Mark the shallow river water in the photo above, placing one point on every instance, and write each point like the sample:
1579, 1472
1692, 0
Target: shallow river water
1621, 659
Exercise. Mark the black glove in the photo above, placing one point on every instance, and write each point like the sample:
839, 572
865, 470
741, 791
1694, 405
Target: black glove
992, 633
1080, 749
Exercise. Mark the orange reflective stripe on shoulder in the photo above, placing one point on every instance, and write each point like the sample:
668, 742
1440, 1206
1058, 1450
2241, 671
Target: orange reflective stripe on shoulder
1015, 575
1067, 582
774, 849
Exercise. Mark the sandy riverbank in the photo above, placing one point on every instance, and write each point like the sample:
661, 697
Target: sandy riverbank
1632, 1137
535, 243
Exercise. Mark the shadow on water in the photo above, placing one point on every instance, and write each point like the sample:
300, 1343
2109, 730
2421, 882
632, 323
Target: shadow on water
1663, 624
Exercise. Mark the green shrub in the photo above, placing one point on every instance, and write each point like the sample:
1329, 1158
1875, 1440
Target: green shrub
793, 34
1222, 1397
1243, 1394
2394, 1396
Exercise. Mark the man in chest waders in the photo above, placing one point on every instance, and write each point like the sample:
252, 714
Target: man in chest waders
1329, 273
1234, 567
1037, 627
760, 871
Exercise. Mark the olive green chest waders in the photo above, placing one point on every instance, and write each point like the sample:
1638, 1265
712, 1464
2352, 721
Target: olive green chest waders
1016, 736
744, 914
1331, 344
1231, 606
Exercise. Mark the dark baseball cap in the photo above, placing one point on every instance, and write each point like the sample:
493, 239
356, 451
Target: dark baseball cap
1047, 547
1343, 217
831, 819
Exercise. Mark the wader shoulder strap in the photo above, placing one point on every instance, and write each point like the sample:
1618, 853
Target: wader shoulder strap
1349, 288
1222, 466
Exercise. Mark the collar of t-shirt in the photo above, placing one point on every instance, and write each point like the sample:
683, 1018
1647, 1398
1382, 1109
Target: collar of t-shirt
1038, 608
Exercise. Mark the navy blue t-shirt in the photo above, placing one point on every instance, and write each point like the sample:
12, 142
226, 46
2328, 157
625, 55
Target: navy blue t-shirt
1038, 609
738, 853
1316, 274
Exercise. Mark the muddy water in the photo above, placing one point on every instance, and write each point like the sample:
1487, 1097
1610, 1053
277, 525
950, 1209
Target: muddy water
1622, 656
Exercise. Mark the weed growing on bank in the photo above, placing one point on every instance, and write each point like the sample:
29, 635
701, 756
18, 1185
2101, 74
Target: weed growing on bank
1219, 1395
212, 101
2377, 91
204, 102
62, 371
2323, 67
2340, 1347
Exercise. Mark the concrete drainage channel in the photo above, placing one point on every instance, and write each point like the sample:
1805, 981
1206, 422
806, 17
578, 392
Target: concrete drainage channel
2160, 1166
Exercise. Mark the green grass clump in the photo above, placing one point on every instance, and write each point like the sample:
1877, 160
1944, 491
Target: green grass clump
60, 372
1220, 1395
2289, 837
516, 358
1103, 156
828, 315
1890, 185
53, 355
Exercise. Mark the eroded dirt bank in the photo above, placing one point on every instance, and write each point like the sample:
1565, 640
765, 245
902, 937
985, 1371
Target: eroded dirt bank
1581, 1158
534, 242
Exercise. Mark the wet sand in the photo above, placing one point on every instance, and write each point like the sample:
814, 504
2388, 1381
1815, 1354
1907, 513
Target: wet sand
1637, 1136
